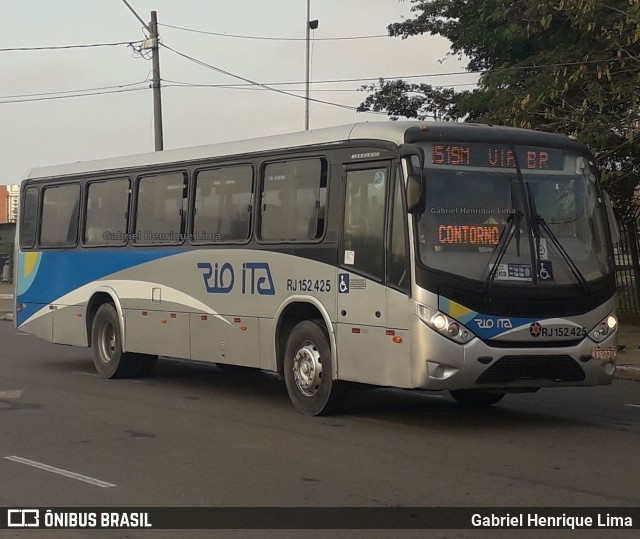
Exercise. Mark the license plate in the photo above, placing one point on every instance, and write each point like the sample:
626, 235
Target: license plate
608, 352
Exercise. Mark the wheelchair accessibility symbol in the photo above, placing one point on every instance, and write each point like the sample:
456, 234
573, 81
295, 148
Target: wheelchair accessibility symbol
343, 283
545, 272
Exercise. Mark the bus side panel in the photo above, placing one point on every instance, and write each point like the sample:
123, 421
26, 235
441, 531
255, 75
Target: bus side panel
373, 341
68, 325
267, 344
157, 332
234, 344
41, 326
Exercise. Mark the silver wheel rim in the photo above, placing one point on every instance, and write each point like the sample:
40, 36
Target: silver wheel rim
307, 369
108, 343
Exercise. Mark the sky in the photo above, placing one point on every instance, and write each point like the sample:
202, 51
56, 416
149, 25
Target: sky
37, 130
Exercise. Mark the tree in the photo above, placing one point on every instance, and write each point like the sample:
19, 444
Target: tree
569, 66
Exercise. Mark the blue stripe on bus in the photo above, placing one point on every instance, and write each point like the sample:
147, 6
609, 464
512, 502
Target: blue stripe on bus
75, 269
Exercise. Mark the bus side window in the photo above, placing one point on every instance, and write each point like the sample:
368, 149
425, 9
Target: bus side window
28, 223
106, 215
59, 223
223, 204
160, 209
293, 200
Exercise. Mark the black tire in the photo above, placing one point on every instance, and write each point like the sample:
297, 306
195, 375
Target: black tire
307, 370
106, 340
476, 398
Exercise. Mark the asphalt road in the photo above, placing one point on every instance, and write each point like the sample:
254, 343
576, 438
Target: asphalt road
193, 435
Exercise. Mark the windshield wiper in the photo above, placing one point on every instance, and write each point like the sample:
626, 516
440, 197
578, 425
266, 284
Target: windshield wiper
538, 222
535, 229
513, 227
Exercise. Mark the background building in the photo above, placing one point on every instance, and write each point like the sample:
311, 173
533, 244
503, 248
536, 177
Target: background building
9, 196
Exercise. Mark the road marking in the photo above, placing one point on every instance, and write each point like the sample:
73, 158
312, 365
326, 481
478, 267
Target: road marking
11, 394
60, 471
633, 405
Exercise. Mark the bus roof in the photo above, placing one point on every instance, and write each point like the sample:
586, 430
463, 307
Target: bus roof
392, 132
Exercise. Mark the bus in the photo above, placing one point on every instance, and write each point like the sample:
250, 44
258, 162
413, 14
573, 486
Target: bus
473, 259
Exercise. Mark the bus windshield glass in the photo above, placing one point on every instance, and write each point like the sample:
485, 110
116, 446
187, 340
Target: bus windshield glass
512, 215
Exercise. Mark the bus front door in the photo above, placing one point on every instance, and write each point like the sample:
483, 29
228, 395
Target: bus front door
361, 275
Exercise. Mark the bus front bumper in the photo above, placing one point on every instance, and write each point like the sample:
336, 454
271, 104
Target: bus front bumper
441, 364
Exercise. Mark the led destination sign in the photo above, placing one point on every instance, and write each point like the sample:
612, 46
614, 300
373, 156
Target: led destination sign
496, 156
468, 234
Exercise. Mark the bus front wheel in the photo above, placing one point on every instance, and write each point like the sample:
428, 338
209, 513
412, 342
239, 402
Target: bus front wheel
109, 359
476, 398
307, 370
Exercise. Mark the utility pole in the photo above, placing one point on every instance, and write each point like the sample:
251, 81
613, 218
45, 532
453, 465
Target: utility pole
153, 44
157, 96
311, 25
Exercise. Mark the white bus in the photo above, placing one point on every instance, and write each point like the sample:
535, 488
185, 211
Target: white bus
474, 259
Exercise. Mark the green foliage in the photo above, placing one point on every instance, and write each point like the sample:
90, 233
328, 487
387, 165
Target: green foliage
567, 66
422, 101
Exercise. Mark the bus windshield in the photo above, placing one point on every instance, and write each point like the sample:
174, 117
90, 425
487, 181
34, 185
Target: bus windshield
512, 214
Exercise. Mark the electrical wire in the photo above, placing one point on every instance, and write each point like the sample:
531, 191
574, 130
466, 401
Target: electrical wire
56, 97
348, 107
254, 83
272, 38
61, 47
182, 84
62, 92
336, 81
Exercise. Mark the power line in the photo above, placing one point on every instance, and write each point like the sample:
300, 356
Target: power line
182, 84
61, 47
252, 82
248, 84
337, 81
56, 97
62, 92
272, 38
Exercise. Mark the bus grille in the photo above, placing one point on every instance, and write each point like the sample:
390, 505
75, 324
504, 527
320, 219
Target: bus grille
515, 368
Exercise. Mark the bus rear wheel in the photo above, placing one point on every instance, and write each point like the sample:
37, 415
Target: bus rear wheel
476, 398
109, 359
307, 370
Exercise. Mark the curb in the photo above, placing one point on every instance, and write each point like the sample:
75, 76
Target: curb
627, 373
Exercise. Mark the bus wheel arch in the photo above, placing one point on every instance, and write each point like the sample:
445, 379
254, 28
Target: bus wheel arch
291, 314
99, 298
308, 364
109, 357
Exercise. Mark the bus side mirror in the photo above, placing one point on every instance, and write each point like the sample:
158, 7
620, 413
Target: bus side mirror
416, 202
614, 229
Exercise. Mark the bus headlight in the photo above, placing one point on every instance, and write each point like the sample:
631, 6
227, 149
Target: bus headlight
604, 328
445, 325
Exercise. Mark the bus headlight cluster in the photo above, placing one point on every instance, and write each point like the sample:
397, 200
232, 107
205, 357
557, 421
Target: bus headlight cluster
445, 325
604, 328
